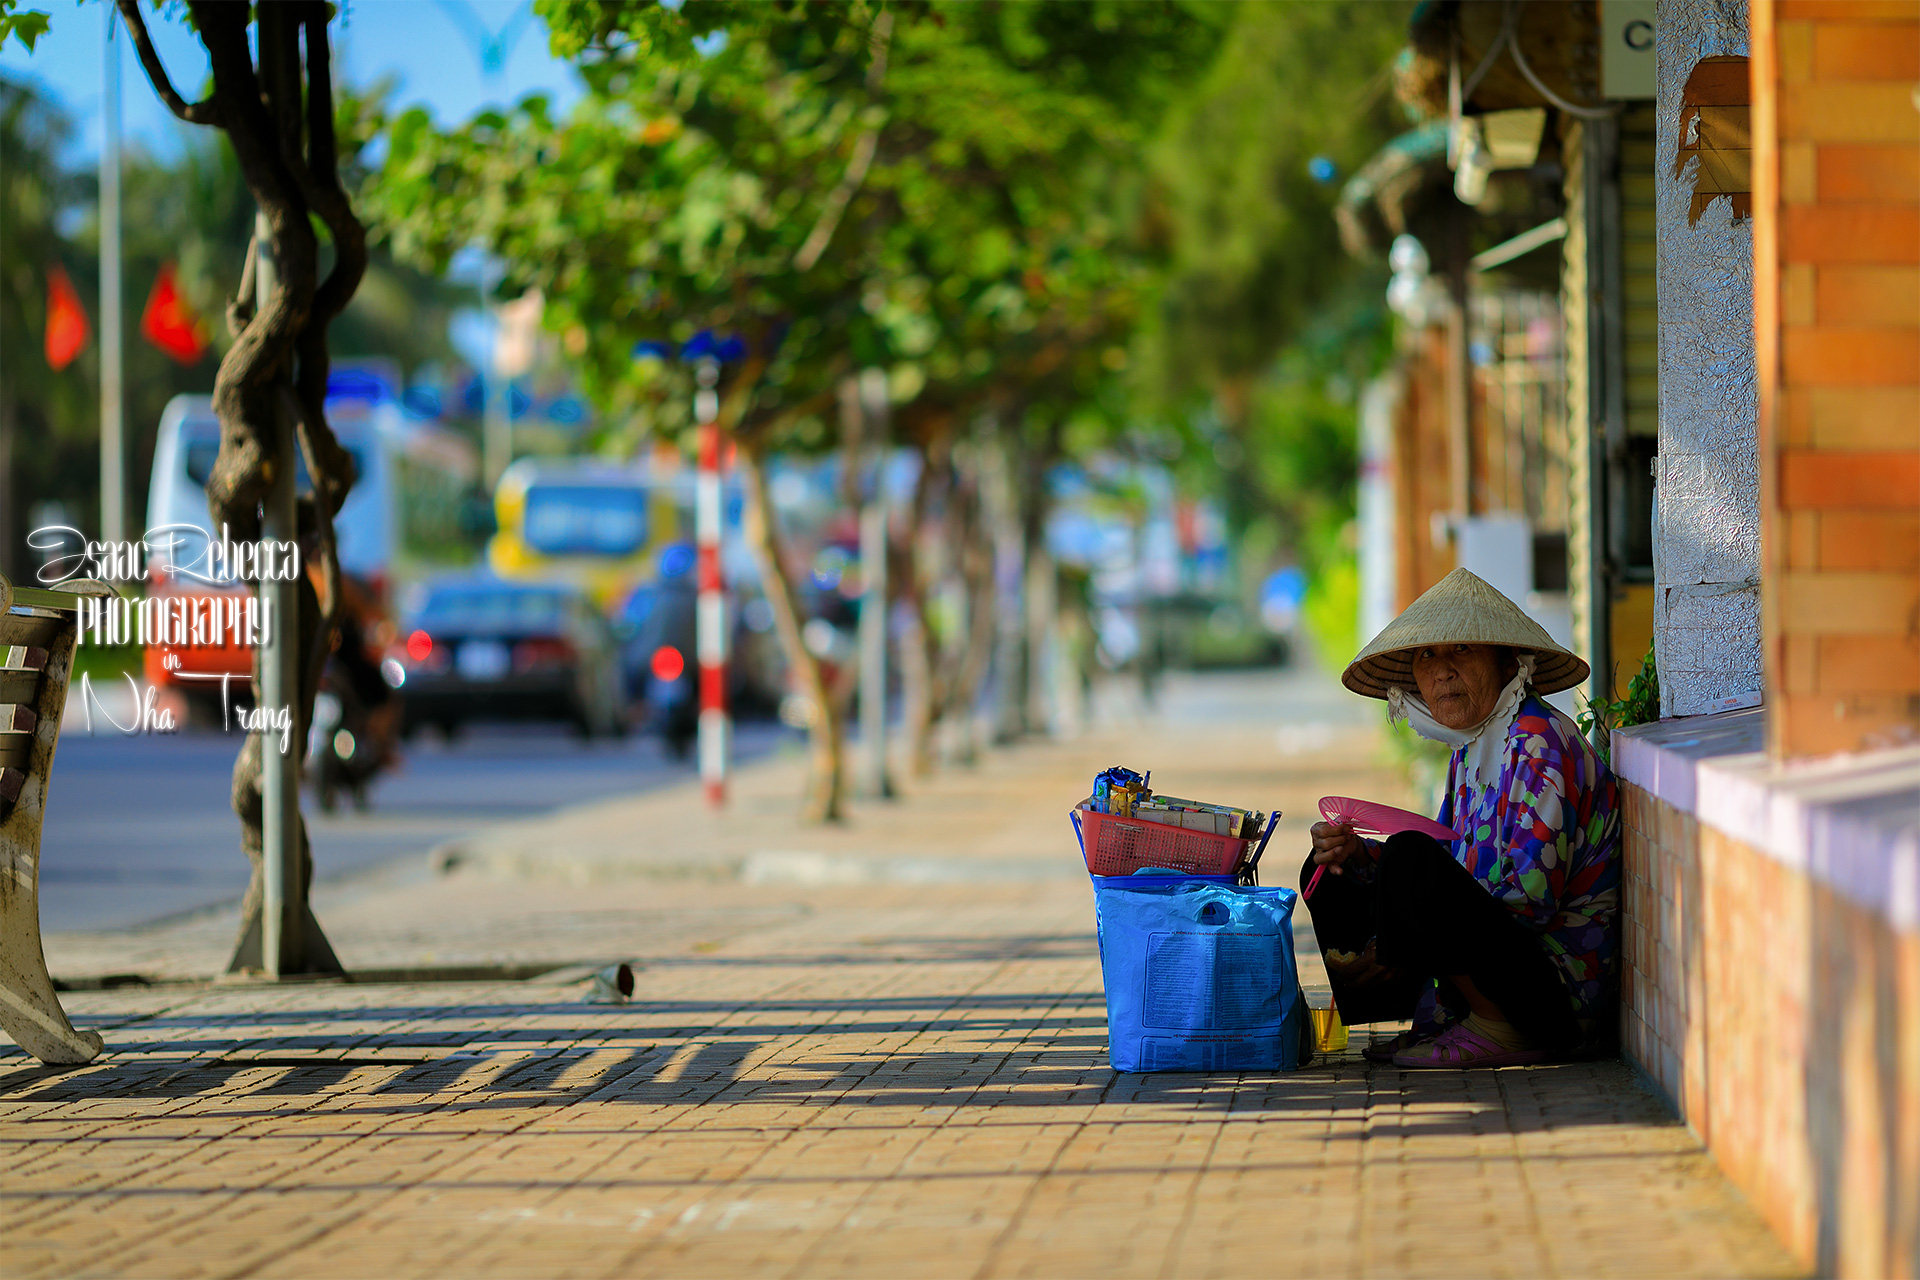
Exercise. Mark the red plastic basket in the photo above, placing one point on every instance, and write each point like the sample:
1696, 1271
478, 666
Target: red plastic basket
1121, 846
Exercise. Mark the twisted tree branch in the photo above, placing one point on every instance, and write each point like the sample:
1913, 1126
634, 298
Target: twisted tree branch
207, 112
318, 176
240, 307
243, 393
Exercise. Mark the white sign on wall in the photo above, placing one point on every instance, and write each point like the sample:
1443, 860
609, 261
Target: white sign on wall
1626, 48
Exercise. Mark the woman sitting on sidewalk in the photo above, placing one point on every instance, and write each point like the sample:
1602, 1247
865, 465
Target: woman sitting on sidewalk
1501, 948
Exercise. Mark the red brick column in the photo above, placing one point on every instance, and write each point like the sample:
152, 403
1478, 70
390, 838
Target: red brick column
1836, 150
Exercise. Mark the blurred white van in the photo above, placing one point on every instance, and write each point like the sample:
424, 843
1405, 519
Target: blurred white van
189, 441
183, 458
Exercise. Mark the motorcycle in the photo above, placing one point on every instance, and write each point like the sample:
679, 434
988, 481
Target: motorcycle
351, 738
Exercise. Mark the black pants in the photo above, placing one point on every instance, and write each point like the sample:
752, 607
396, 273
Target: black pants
1429, 918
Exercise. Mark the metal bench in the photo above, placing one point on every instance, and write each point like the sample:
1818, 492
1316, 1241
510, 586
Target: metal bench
38, 631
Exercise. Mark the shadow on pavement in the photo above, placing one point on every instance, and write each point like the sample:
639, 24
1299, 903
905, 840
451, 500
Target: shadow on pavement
1018, 1050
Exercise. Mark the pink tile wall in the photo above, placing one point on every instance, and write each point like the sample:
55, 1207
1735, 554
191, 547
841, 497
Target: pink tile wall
1784, 1024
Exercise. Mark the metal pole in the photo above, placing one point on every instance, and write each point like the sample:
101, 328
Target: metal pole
113, 479
873, 648
282, 913
873, 588
710, 636
496, 436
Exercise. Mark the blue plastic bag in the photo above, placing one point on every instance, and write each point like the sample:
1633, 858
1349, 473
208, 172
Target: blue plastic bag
1200, 977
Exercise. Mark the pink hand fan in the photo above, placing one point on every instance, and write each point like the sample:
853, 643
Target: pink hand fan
1370, 818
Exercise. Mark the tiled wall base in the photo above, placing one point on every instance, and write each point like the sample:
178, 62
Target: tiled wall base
1783, 1021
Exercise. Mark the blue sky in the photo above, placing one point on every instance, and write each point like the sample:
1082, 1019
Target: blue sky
431, 47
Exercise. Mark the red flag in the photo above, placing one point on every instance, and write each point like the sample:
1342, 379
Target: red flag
169, 323
66, 320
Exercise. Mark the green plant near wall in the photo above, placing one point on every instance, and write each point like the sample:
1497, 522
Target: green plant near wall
1598, 720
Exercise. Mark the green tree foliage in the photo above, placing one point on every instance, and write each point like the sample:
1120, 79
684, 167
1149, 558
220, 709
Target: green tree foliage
842, 188
1265, 319
53, 410
1302, 448
675, 199
196, 211
1303, 467
1256, 251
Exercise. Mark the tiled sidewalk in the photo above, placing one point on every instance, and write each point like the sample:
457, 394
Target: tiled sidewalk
861, 1078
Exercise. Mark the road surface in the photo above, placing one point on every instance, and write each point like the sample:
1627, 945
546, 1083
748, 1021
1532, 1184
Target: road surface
140, 827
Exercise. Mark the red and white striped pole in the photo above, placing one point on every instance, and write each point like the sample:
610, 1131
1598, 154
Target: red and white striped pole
710, 634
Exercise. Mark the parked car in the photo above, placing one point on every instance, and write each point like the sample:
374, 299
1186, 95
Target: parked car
483, 648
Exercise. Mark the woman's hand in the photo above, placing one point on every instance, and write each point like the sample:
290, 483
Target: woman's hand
1334, 846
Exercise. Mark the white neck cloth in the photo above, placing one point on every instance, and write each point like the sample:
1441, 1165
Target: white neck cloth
1485, 742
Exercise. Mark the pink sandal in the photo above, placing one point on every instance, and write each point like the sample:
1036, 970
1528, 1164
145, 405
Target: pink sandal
1458, 1049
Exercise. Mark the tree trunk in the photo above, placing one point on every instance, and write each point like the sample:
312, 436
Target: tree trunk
273, 98
825, 797
916, 697
1042, 577
975, 542
1042, 637
1019, 510
1009, 575
912, 568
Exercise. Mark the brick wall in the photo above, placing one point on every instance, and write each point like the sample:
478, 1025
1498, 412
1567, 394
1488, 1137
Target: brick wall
1783, 1021
1836, 143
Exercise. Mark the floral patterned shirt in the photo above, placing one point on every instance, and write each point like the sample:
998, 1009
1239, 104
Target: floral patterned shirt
1545, 841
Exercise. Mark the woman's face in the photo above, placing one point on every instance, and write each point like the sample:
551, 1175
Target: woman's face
1461, 682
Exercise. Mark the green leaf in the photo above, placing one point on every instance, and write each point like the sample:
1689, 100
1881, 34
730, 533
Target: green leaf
25, 27
990, 241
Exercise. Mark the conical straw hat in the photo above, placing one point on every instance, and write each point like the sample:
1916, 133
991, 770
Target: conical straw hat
1459, 609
